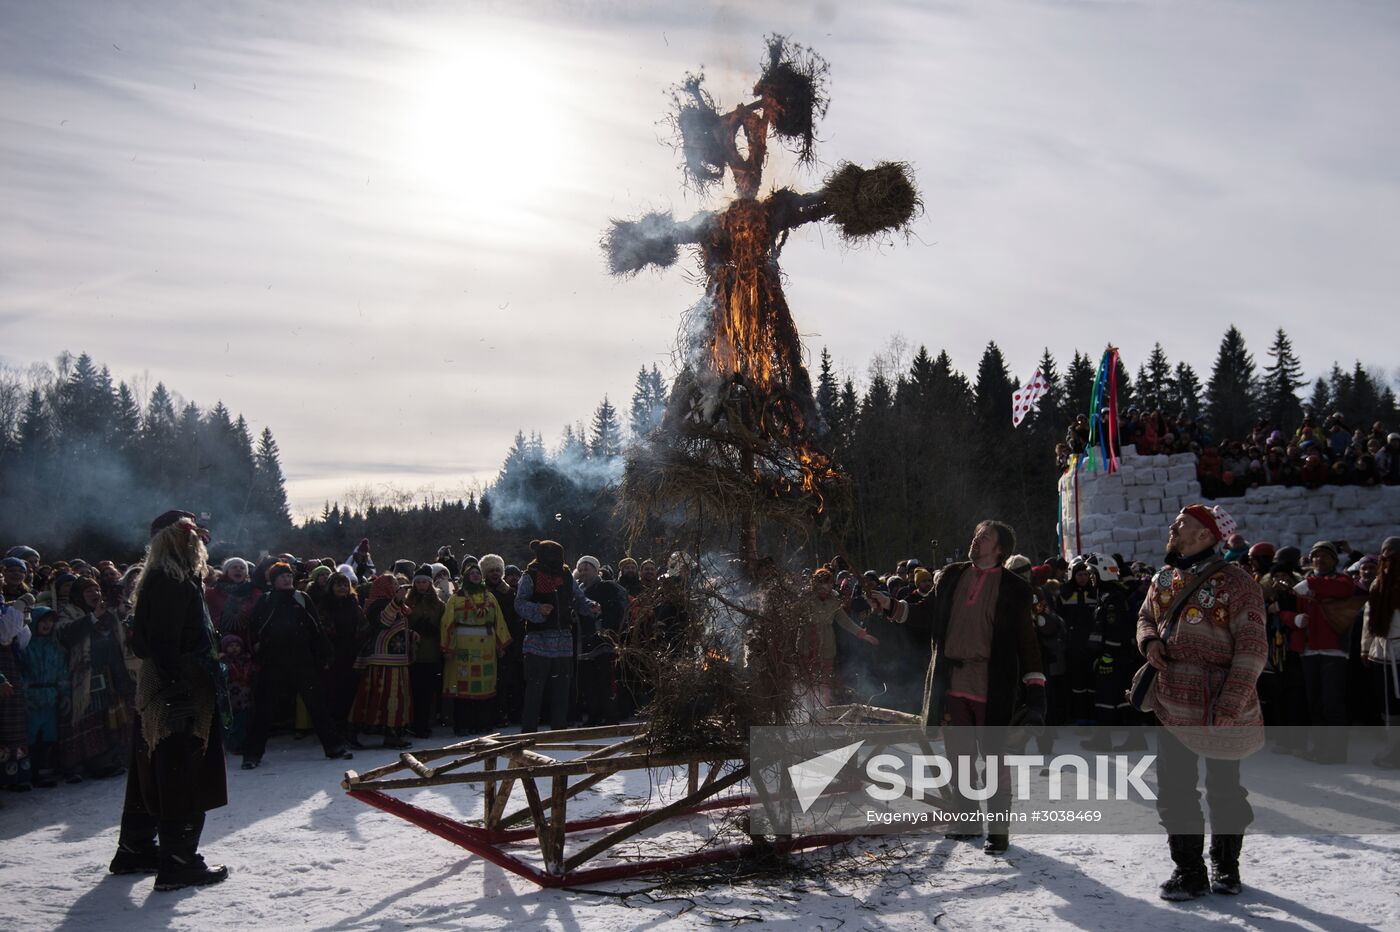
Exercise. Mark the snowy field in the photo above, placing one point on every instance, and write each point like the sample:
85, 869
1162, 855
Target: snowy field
305, 856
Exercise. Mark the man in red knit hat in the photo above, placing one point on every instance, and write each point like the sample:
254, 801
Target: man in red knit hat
1202, 627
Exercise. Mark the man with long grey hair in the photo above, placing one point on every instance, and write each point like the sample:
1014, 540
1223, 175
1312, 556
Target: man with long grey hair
177, 759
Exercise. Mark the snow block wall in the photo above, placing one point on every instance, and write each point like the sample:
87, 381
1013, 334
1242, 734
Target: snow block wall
1129, 511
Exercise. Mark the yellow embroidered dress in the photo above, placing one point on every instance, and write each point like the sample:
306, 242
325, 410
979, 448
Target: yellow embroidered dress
474, 634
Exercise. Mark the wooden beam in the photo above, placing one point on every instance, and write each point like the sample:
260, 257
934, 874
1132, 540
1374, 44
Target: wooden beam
532, 796
559, 796
498, 805
560, 768
652, 818
488, 793
414, 764
586, 783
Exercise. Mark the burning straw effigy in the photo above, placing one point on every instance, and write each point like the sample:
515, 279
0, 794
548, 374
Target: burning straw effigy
739, 461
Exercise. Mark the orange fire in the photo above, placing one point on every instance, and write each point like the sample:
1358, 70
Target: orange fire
756, 340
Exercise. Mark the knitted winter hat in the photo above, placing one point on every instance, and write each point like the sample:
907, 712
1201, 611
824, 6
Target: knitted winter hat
277, 569
14, 563
626, 563
1390, 545
1324, 545
597, 565
1017, 563
492, 561
425, 572
320, 571
922, 575
1213, 518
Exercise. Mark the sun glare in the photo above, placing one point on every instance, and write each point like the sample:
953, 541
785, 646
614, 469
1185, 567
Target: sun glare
481, 127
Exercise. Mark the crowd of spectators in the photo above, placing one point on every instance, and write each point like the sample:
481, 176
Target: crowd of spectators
1333, 630
1313, 455
466, 646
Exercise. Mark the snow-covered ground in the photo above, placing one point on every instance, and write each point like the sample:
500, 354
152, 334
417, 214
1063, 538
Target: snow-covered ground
304, 855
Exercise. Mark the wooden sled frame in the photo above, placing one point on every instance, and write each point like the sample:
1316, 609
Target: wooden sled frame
508, 760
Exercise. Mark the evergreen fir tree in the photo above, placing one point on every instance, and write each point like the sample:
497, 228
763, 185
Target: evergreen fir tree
126, 419
605, 440
35, 429
644, 416
1320, 401
1047, 418
992, 392
270, 491
1186, 391
1282, 379
1230, 394
827, 390
1079, 387
1154, 383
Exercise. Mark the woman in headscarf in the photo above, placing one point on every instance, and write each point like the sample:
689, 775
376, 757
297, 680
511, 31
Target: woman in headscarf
425, 673
472, 637
232, 599
384, 699
101, 688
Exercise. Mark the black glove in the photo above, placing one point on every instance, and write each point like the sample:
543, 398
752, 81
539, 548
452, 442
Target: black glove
1035, 708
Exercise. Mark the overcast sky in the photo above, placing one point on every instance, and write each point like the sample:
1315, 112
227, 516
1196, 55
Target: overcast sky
373, 227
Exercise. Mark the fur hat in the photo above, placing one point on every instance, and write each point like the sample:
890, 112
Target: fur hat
492, 561
549, 553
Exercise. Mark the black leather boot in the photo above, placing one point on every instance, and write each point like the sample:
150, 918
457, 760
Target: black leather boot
1189, 880
180, 863
137, 852
1225, 863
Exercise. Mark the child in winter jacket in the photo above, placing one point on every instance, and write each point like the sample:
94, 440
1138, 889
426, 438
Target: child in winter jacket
47, 691
239, 667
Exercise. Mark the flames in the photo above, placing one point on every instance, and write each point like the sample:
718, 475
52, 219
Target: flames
754, 343
745, 285
713, 658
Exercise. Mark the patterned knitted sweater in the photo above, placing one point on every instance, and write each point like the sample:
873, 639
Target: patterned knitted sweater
1216, 651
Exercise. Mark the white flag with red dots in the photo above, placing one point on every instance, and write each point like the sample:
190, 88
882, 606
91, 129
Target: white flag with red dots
1027, 399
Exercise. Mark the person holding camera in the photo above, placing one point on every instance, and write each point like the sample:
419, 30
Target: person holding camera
176, 773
